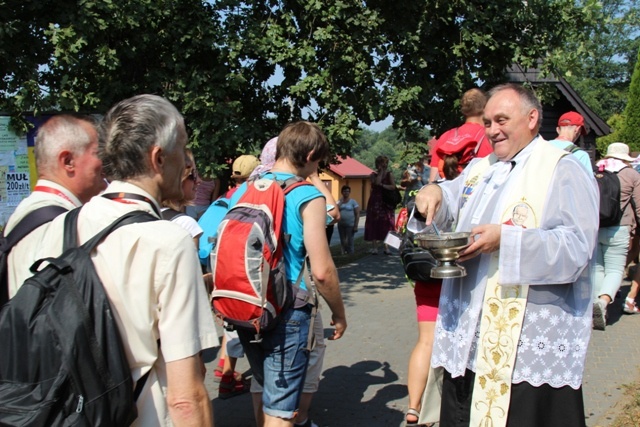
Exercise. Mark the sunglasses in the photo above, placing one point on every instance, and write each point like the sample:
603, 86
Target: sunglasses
193, 175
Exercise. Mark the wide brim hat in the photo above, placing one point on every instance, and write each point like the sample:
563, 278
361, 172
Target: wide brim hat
620, 151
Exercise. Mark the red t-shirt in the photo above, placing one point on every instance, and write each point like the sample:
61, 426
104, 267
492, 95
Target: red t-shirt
468, 141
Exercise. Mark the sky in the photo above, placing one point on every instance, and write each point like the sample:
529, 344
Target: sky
380, 126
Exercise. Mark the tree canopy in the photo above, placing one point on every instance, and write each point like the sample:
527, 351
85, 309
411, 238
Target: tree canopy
602, 72
630, 130
240, 70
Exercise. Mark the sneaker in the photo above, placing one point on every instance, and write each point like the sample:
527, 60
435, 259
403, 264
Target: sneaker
230, 387
630, 307
599, 315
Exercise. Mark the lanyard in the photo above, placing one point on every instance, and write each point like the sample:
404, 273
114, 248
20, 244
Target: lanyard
121, 197
44, 189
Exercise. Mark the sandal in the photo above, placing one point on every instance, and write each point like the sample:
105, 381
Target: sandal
413, 413
230, 387
416, 414
217, 374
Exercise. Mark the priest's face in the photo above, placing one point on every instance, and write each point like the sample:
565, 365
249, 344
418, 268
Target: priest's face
509, 123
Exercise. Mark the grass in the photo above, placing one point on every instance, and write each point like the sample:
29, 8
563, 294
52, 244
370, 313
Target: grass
360, 248
630, 414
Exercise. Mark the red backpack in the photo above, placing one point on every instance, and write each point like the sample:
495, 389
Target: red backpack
250, 287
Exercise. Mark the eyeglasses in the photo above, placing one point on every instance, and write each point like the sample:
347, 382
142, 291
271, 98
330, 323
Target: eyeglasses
193, 175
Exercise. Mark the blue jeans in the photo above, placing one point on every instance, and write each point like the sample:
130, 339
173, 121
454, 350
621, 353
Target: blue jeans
611, 257
279, 362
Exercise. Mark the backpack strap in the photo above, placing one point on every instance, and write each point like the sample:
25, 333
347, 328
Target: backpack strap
310, 298
25, 226
30, 222
292, 183
171, 214
571, 148
71, 227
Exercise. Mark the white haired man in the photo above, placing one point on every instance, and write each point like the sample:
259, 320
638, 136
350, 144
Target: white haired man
150, 271
69, 174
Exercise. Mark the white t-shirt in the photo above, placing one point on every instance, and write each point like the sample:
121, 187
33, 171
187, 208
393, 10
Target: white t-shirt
188, 223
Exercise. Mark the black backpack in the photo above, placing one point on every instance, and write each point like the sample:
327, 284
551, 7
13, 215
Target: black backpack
609, 186
62, 360
26, 225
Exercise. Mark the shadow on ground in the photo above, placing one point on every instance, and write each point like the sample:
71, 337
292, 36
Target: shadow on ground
342, 398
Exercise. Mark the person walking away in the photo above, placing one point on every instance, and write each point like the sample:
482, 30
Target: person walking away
455, 148
570, 128
316, 356
300, 148
513, 334
613, 240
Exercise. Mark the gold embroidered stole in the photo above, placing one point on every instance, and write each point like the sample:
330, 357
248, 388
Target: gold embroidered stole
504, 306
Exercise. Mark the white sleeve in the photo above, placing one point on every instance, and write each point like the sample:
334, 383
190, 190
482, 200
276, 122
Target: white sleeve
189, 224
560, 249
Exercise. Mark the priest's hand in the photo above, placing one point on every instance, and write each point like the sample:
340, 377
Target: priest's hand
428, 201
486, 239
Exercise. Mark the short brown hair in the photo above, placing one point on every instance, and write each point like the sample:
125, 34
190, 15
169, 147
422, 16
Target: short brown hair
380, 160
298, 139
473, 102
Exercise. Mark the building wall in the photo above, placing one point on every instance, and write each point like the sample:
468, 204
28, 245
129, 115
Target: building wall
360, 187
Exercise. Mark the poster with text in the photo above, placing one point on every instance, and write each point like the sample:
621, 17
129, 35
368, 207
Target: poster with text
17, 169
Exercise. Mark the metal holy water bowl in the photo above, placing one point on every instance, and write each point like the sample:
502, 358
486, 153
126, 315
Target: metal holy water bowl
445, 248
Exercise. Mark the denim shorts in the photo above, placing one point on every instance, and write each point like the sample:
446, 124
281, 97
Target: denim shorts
316, 360
279, 362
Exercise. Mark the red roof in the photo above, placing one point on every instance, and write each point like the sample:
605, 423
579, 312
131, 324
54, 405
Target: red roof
350, 168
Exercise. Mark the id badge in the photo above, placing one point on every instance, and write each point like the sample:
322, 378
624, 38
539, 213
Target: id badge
393, 239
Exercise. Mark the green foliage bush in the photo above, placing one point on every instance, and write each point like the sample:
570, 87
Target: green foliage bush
630, 132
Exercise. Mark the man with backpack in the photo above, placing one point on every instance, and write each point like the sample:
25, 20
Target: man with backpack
614, 232
279, 360
69, 174
155, 289
570, 127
